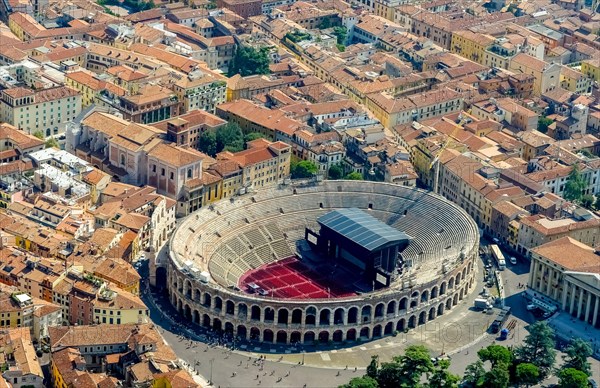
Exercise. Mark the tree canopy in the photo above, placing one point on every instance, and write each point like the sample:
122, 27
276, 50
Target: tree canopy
52, 143
442, 378
249, 61
361, 382
354, 176
527, 374
538, 348
572, 378
39, 135
495, 354
575, 186
207, 143
335, 172
230, 138
543, 123
341, 33
474, 374
303, 169
576, 356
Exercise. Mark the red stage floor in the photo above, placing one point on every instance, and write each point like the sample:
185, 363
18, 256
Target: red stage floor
289, 278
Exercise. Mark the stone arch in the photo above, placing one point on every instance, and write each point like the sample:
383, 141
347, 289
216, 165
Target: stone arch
268, 336
325, 317
255, 313
403, 304
458, 278
353, 315
451, 283
207, 300
365, 314
351, 335
197, 295
297, 316
379, 310
196, 317
282, 316
217, 324
455, 300
188, 289
242, 311
254, 334
309, 337
424, 296
448, 303
269, 314
464, 272
218, 303
205, 320
324, 336
431, 314
310, 317
413, 303
443, 288
242, 332
364, 332
422, 318
434, 292
338, 316
415, 294
179, 306
281, 337
377, 331
389, 328
295, 337
391, 307
401, 325
187, 312
338, 336
412, 322
229, 307
229, 328
440, 309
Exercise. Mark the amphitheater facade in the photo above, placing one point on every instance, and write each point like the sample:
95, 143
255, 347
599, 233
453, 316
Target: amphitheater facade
232, 237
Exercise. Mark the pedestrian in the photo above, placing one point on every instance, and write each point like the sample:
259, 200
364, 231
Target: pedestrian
256, 377
355, 369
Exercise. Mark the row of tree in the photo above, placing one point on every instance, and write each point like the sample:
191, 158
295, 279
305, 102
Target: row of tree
228, 138
497, 367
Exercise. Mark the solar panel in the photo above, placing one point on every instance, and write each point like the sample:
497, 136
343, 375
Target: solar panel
362, 228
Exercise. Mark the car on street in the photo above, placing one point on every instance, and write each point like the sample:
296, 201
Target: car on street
513, 260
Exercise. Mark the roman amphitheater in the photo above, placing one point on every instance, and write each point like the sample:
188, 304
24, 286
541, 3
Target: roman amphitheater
261, 288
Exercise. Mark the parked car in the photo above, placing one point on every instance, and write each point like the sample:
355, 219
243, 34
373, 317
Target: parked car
513, 260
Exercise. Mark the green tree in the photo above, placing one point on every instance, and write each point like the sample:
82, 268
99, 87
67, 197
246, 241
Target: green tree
207, 143
249, 61
335, 172
413, 364
442, 378
587, 201
527, 374
495, 354
575, 185
354, 176
230, 138
325, 24
340, 33
543, 123
52, 143
373, 367
497, 377
253, 136
538, 348
572, 378
39, 135
474, 374
303, 169
361, 382
576, 356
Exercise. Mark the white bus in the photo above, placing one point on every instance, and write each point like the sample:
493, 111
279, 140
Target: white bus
498, 256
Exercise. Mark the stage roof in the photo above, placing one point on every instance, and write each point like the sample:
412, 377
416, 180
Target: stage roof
362, 228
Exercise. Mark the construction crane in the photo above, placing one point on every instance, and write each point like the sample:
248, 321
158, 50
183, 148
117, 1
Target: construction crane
436, 161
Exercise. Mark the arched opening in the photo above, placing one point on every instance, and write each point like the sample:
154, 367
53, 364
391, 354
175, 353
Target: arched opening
455, 301
413, 303
229, 307
364, 332
218, 304
451, 283
379, 310
254, 334
196, 317
434, 292
197, 295
269, 314
205, 320
338, 336
188, 313
309, 337
242, 311
324, 337
443, 288
295, 337
338, 316
281, 337
241, 332
422, 318
310, 318
188, 289
377, 331
391, 308
389, 328
268, 336
440, 309
324, 317
458, 278
448, 303
431, 313
161, 277
228, 328
412, 322
401, 325
217, 325
424, 296
353, 315
403, 303
464, 273
282, 316
207, 300
415, 294
297, 316
351, 335
255, 313
365, 314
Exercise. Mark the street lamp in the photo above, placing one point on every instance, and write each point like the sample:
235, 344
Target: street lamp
303, 357
210, 382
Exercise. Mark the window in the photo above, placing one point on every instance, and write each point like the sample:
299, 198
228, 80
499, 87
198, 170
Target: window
162, 172
189, 173
171, 175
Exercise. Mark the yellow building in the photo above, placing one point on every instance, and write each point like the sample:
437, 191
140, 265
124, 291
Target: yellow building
231, 175
470, 45
89, 86
119, 307
574, 80
591, 68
